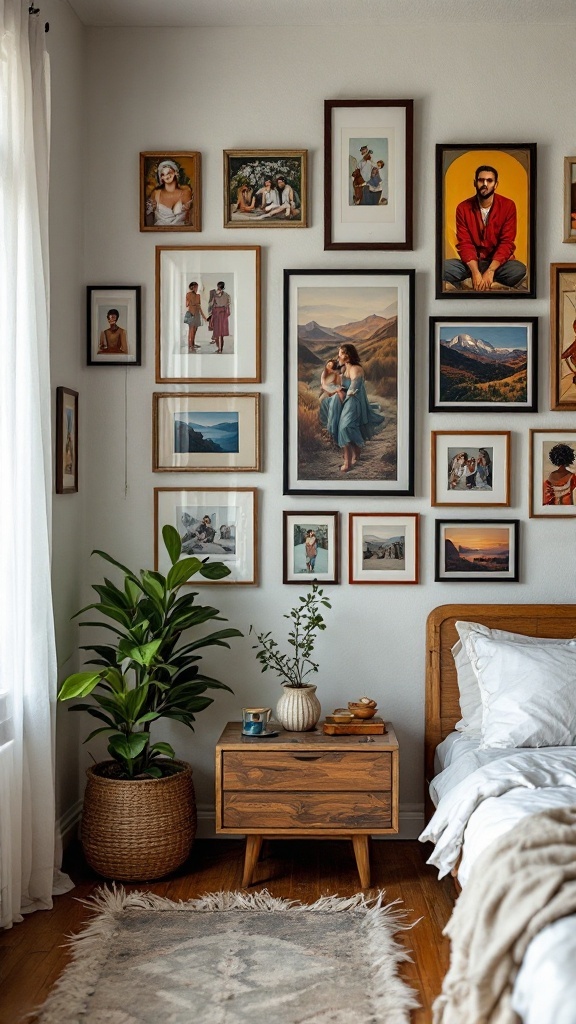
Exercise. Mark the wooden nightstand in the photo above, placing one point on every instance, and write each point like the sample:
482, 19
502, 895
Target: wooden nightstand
306, 784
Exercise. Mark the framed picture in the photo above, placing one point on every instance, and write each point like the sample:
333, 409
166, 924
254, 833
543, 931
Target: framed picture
349, 381
552, 474
66, 441
483, 364
265, 188
208, 314
570, 198
368, 146
563, 336
214, 524
383, 547
470, 467
477, 549
203, 433
486, 221
311, 547
113, 328
170, 192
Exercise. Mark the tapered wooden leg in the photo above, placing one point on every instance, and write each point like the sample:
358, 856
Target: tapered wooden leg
362, 854
253, 845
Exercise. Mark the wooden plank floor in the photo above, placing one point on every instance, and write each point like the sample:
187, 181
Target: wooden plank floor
33, 954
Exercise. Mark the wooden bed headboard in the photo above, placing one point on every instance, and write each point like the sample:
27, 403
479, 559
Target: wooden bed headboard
442, 707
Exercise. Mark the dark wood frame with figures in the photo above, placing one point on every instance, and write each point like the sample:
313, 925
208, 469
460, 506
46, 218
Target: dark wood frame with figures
125, 299
563, 336
66, 438
189, 177
564, 486
241, 171
460, 571
569, 199
328, 521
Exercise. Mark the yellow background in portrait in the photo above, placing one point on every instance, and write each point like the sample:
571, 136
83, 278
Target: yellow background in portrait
512, 183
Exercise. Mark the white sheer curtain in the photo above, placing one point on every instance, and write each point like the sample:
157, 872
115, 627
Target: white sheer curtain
27, 650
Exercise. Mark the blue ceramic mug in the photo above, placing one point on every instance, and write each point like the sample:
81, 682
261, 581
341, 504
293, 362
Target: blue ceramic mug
255, 720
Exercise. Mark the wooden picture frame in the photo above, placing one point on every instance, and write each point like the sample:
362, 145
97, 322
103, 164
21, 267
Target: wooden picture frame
508, 238
470, 468
317, 558
563, 336
383, 547
368, 157
477, 550
229, 537
204, 433
113, 329
373, 310
185, 348
265, 188
66, 441
170, 191
483, 364
569, 199
552, 474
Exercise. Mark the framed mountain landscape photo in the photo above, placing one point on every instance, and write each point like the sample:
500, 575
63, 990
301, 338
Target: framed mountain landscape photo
477, 549
483, 364
204, 433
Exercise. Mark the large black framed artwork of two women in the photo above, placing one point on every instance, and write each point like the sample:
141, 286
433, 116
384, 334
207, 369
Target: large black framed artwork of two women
349, 382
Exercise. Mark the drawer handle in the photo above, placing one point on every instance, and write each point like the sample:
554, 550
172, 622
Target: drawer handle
302, 757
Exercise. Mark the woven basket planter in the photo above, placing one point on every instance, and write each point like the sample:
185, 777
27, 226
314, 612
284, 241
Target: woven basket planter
134, 830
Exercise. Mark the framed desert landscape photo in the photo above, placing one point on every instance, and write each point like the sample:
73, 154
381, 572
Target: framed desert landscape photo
214, 524
311, 547
383, 547
204, 433
368, 146
483, 364
265, 188
570, 198
486, 221
208, 314
470, 467
349, 381
113, 325
66, 441
552, 474
477, 549
563, 336
170, 192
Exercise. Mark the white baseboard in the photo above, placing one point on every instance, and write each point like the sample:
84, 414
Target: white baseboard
411, 823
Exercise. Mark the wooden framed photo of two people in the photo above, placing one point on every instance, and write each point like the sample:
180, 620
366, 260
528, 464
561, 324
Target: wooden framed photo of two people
486, 221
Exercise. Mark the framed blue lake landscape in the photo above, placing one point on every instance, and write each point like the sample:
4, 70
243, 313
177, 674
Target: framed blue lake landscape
483, 364
206, 432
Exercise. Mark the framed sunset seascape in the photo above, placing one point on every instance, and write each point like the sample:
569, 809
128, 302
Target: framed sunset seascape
349, 382
477, 549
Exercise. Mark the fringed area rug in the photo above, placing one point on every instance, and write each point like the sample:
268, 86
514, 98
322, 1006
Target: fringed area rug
232, 958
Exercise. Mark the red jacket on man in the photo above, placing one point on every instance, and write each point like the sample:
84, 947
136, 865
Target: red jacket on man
494, 240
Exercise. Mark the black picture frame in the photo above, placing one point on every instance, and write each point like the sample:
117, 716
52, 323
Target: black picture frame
464, 543
66, 480
101, 301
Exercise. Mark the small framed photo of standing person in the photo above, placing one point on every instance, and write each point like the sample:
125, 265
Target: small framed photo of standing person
113, 327
66, 441
311, 547
170, 198
486, 221
552, 474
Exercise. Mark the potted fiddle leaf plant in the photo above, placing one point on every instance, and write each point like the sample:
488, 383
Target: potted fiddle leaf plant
298, 709
139, 814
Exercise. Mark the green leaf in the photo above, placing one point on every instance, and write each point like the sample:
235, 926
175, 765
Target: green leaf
162, 748
153, 771
79, 684
110, 595
213, 639
150, 716
182, 571
133, 590
128, 747
108, 558
97, 732
145, 654
214, 570
172, 542
153, 588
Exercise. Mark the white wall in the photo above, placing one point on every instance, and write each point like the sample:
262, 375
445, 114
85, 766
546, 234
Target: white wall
215, 89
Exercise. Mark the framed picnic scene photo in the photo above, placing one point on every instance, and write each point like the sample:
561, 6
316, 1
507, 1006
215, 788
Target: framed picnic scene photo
552, 474
113, 328
311, 547
218, 524
204, 433
470, 467
486, 221
170, 192
477, 549
265, 188
368, 155
570, 198
208, 314
483, 364
383, 547
349, 382
66, 441
563, 336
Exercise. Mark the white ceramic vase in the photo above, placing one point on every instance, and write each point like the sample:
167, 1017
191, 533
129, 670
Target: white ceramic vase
298, 709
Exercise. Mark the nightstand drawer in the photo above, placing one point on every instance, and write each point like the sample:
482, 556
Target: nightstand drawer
307, 810
306, 771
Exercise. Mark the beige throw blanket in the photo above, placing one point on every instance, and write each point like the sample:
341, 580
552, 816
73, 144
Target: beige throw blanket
522, 882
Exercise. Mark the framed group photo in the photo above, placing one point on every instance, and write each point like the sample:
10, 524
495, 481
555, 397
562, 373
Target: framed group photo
66, 441
368, 154
383, 547
208, 314
477, 550
349, 382
265, 188
470, 467
113, 325
563, 336
218, 524
486, 221
483, 364
570, 199
311, 547
552, 474
206, 432
170, 192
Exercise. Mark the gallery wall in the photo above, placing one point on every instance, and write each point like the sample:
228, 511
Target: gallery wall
264, 88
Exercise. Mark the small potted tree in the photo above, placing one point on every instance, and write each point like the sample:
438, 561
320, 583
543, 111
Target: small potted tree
139, 815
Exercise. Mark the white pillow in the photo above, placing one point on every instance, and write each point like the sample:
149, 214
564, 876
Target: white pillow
470, 700
528, 692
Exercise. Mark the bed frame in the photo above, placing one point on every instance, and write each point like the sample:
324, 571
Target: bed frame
442, 707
